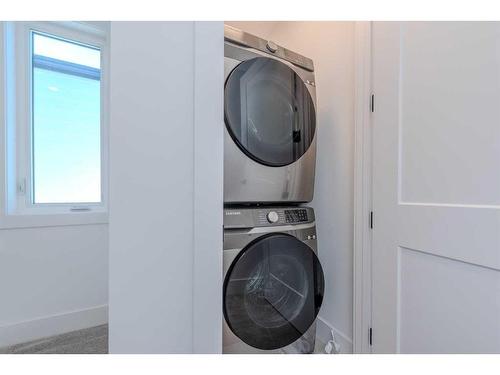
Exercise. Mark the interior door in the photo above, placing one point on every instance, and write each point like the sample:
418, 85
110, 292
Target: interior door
436, 187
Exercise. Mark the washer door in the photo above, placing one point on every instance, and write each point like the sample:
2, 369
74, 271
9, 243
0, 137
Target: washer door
273, 291
269, 112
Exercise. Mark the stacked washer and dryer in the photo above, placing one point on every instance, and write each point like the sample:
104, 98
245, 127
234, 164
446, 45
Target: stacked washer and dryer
273, 280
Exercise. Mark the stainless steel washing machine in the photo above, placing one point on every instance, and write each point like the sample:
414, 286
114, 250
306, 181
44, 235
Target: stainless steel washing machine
273, 280
270, 122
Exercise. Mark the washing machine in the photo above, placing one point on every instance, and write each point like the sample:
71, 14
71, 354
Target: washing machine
273, 281
270, 122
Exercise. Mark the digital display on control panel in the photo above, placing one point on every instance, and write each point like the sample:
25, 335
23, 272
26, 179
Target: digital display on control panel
295, 216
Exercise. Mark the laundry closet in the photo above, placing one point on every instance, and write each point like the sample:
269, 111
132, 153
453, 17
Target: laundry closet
273, 182
173, 235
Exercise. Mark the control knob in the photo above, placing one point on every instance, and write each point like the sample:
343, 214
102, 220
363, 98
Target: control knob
272, 217
271, 46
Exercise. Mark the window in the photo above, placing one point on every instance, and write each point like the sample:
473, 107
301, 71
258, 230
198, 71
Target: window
56, 123
66, 108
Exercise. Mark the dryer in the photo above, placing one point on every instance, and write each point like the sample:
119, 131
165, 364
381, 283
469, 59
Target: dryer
270, 122
273, 281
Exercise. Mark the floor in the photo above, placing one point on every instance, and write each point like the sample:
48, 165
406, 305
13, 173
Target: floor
319, 347
86, 341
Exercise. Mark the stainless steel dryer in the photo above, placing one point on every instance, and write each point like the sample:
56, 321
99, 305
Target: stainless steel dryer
273, 280
270, 122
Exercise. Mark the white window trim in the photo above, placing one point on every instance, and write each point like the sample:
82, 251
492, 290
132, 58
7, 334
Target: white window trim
17, 210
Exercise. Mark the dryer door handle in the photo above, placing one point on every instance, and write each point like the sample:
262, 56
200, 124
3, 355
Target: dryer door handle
296, 136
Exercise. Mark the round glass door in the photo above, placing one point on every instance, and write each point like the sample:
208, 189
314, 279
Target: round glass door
269, 112
273, 291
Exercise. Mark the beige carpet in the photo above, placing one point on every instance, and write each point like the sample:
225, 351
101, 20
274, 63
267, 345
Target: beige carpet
85, 341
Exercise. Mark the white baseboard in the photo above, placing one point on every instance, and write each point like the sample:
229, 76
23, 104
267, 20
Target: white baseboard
52, 325
323, 333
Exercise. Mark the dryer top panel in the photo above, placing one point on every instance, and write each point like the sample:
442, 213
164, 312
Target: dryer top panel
245, 39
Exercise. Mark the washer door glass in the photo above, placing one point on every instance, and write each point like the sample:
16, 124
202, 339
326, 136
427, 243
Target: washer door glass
273, 291
269, 111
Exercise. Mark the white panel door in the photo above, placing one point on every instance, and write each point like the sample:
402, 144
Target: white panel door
436, 187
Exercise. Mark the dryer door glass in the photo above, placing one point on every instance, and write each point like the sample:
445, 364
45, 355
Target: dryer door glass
269, 111
273, 291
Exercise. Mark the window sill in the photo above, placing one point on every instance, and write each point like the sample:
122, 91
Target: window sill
12, 221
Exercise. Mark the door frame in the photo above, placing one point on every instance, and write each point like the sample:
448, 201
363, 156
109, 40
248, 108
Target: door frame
208, 200
363, 108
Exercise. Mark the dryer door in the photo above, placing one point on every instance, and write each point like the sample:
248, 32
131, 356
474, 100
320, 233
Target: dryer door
273, 291
269, 111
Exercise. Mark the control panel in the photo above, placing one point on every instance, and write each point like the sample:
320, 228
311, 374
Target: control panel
281, 216
266, 216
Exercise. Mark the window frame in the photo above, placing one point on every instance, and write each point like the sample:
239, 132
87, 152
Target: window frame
19, 158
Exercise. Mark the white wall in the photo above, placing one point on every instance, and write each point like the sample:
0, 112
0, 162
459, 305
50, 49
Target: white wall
166, 187
53, 279
331, 46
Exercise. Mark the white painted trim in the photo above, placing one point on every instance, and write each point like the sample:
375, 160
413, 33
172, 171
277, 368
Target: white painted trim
52, 220
323, 334
208, 200
3, 117
362, 189
21, 332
